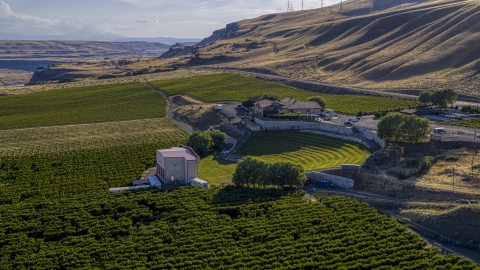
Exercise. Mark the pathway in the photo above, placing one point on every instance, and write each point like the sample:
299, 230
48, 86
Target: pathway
171, 108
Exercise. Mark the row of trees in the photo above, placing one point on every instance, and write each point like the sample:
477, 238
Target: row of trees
255, 172
441, 97
397, 127
204, 141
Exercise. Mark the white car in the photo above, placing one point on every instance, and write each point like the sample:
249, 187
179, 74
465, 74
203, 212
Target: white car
353, 120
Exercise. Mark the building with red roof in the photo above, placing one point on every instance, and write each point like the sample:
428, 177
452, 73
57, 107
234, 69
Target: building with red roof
177, 164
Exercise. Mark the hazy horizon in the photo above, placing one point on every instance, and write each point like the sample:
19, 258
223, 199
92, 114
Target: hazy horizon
134, 18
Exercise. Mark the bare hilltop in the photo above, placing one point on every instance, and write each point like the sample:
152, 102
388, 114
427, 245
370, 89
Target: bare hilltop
379, 44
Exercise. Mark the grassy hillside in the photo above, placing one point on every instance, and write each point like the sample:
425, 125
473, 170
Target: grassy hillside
369, 43
221, 87
81, 105
192, 228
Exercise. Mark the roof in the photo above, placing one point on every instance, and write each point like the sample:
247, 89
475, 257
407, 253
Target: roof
264, 103
409, 111
290, 104
179, 152
297, 105
140, 182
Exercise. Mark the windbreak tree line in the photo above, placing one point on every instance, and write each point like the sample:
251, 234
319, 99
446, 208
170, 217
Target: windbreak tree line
441, 98
397, 127
253, 172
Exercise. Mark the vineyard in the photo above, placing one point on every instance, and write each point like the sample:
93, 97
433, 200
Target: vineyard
223, 87
86, 136
81, 105
192, 228
67, 169
471, 123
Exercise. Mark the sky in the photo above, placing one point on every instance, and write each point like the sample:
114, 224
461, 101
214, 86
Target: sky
135, 18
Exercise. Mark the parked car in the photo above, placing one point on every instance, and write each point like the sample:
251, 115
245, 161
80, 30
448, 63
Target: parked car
353, 120
348, 123
232, 116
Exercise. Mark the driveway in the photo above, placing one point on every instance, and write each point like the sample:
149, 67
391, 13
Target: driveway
231, 108
171, 108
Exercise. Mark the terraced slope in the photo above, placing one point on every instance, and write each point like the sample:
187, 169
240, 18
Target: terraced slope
309, 150
312, 151
369, 43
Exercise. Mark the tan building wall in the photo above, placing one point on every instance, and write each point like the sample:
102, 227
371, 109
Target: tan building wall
175, 167
191, 169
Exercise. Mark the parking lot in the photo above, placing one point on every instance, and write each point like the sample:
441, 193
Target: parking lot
232, 109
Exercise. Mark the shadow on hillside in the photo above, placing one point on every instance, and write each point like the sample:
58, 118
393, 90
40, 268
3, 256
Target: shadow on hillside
232, 195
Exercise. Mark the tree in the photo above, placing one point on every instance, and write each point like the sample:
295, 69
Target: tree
248, 103
272, 97
285, 173
320, 101
397, 127
390, 127
416, 129
444, 97
250, 171
425, 97
200, 142
218, 138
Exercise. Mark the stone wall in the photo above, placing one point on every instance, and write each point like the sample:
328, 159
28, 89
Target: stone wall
282, 125
336, 180
369, 134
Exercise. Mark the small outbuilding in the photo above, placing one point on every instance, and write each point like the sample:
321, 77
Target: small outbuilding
177, 164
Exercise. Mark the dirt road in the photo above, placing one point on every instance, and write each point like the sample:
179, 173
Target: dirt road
171, 108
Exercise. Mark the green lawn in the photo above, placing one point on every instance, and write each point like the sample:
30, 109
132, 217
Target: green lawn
312, 151
214, 171
91, 104
223, 87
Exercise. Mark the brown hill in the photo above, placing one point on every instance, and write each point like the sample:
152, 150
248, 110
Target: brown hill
380, 44
68, 50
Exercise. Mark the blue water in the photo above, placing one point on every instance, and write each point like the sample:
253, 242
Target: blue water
26, 65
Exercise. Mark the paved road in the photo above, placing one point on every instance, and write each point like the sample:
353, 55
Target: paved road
171, 108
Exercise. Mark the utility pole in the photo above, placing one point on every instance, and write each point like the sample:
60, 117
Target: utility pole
289, 6
341, 5
321, 3
453, 182
303, 1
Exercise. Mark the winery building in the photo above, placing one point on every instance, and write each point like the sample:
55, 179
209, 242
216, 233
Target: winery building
177, 164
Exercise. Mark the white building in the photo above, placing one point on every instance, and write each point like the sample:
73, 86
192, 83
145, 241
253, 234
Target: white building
177, 164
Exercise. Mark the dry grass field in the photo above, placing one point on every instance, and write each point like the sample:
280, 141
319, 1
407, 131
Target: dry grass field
12, 77
45, 49
370, 43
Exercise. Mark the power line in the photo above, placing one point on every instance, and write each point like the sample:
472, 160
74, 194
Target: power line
303, 1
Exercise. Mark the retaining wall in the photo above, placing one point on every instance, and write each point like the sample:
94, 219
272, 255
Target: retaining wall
336, 180
282, 125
